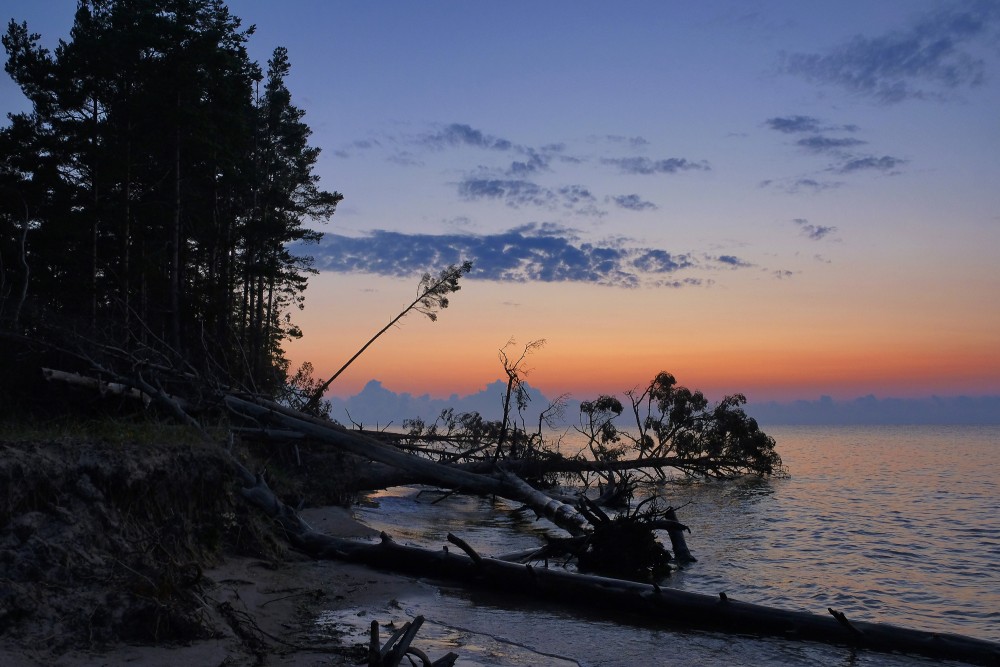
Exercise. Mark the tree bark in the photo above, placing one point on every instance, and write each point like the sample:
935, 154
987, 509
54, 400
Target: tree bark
103, 388
503, 484
380, 477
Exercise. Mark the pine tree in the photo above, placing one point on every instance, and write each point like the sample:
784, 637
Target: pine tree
150, 151
285, 192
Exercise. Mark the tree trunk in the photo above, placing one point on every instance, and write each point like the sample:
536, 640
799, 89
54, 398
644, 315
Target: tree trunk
175, 245
126, 239
25, 265
505, 485
381, 477
643, 603
95, 201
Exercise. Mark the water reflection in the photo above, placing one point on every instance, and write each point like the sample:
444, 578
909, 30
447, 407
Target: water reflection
894, 525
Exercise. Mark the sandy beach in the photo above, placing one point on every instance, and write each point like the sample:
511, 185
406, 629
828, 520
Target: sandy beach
265, 612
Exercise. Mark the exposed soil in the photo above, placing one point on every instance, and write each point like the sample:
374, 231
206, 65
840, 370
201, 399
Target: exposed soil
108, 547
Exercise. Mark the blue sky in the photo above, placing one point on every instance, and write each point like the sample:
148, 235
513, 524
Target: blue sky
784, 199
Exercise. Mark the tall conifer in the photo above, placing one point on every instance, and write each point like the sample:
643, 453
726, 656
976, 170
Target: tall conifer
150, 152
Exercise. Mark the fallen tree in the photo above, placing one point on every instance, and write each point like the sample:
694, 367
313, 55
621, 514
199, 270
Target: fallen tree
500, 483
631, 600
385, 476
635, 600
720, 444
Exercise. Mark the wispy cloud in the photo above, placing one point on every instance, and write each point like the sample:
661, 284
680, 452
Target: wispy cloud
814, 232
820, 144
733, 261
805, 125
932, 58
514, 193
535, 252
632, 142
355, 147
793, 124
533, 163
633, 202
460, 134
800, 185
520, 193
645, 166
524, 176
812, 185
819, 141
886, 164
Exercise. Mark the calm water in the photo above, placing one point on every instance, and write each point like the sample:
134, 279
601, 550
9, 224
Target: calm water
891, 524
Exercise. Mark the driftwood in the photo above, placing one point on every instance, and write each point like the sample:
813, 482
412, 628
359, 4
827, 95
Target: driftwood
399, 645
489, 479
502, 483
642, 603
646, 602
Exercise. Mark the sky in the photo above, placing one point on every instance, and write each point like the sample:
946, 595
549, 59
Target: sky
785, 199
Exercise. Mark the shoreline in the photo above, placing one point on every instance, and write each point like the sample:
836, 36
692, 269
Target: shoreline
266, 612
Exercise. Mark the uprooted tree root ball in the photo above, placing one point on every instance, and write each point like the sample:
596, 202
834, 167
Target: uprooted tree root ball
626, 548
104, 542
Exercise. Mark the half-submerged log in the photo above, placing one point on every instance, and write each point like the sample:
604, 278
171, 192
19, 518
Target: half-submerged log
633, 600
676, 608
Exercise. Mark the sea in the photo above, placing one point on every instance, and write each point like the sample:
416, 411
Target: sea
894, 524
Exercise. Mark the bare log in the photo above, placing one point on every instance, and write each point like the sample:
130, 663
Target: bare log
504, 484
100, 386
381, 478
675, 608
642, 602
132, 387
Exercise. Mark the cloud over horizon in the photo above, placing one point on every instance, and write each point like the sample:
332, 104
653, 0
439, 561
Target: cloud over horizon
376, 404
534, 252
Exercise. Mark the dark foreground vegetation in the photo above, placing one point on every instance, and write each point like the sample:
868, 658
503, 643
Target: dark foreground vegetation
150, 200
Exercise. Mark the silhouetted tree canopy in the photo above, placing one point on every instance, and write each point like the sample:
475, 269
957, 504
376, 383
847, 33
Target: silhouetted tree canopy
150, 195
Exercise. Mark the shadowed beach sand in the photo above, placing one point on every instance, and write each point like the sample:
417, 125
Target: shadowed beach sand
275, 607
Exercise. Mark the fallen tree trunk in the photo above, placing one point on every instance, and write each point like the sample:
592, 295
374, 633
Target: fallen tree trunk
502, 484
101, 387
676, 608
382, 477
642, 602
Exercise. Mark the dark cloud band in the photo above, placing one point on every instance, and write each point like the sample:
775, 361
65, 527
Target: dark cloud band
544, 253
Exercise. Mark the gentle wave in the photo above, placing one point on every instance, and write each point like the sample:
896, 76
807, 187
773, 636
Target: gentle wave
886, 524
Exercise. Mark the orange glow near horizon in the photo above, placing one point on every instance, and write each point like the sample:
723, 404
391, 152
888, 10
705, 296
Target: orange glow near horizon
733, 345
